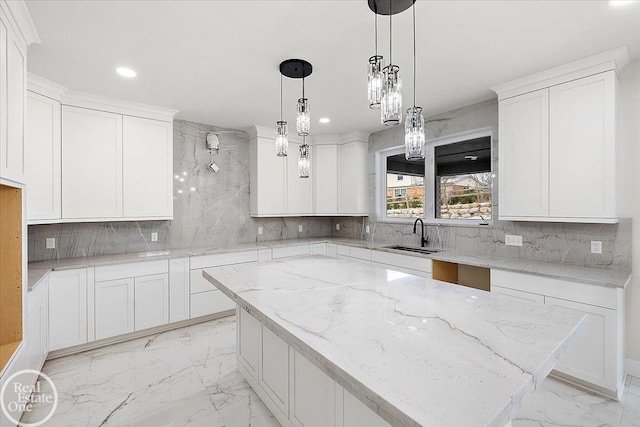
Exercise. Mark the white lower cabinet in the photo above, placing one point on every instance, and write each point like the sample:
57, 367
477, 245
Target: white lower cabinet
67, 308
211, 302
356, 414
114, 307
249, 341
151, 301
274, 369
518, 295
179, 293
592, 356
38, 324
318, 249
312, 395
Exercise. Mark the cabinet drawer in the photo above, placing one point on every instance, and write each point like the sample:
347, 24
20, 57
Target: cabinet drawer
517, 295
360, 253
134, 269
206, 261
404, 261
199, 283
318, 249
210, 302
287, 251
342, 250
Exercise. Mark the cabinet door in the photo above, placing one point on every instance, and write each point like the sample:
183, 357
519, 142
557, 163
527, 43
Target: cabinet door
91, 164
274, 369
12, 156
352, 185
151, 301
147, 168
249, 341
178, 289
356, 414
582, 148
592, 356
312, 403
299, 190
43, 158
67, 308
524, 155
268, 178
210, 302
517, 295
114, 307
37, 325
325, 178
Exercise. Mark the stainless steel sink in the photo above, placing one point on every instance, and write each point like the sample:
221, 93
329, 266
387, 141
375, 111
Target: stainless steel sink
412, 249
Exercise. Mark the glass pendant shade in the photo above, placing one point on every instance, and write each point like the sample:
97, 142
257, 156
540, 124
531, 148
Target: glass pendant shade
303, 121
282, 140
391, 102
304, 161
414, 139
375, 81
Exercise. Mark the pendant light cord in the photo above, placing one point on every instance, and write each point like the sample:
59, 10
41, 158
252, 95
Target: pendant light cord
390, 34
376, 30
280, 96
414, 55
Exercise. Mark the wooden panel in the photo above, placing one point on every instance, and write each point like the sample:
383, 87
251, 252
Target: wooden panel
523, 155
474, 277
10, 271
445, 271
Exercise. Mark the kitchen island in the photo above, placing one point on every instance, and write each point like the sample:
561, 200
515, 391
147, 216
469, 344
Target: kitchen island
326, 341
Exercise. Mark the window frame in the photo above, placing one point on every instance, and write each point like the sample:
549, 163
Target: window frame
429, 181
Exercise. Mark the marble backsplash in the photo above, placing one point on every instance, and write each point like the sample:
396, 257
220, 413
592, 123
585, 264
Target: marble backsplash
551, 242
210, 209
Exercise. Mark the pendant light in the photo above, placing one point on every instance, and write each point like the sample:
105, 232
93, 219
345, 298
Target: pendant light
303, 121
374, 81
414, 139
391, 101
282, 140
304, 159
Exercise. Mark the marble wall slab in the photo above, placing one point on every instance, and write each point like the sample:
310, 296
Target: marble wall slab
552, 242
210, 209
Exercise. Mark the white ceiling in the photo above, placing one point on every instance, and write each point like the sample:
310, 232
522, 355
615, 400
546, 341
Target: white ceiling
216, 61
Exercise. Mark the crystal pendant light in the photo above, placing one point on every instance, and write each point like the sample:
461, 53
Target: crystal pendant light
414, 139
374, 81
282, 140
391, 102
304, 160
303, 121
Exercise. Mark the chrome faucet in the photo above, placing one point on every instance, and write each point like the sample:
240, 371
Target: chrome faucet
423, 241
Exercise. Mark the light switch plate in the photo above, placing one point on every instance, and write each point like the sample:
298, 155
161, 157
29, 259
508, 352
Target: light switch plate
337, 227
260, 230
154, 237
300, 228
51, 243
596, 247
512, 240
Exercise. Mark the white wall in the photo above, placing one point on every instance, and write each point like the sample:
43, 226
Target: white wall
629, 197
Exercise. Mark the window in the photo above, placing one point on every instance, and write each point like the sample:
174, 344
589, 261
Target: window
463, 180
453, 186
404, 187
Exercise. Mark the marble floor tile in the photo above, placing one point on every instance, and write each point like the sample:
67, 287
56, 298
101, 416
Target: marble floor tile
187, 378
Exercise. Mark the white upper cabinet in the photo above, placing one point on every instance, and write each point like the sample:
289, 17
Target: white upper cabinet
91, 164
557, 143
147, 167
336, 184
299, 190
523, 155
582, 156
43, 159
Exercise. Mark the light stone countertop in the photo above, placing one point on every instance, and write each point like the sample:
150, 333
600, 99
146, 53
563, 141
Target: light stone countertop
418, 351
587, 275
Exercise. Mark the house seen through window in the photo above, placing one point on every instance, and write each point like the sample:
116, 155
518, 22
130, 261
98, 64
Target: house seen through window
405, 187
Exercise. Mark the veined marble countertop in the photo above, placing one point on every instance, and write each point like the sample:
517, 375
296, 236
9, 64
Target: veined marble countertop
588, 275
420, 351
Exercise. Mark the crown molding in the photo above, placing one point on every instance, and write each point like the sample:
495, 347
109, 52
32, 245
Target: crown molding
20, 14
614, 59
95, 102
45, 87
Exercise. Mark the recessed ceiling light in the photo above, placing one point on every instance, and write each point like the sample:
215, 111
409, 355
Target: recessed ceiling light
618, 3
324, 120
126, 72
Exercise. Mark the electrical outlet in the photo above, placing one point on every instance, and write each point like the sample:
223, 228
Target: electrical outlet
154, 237
260, 230
366, 229
51, 242
300, 228
337, 227
512, 240
596, 247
